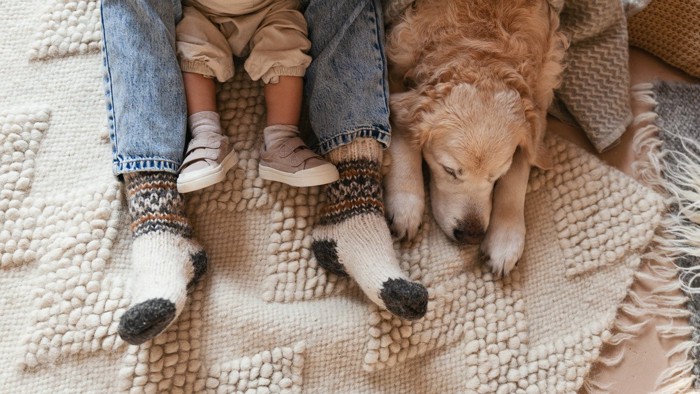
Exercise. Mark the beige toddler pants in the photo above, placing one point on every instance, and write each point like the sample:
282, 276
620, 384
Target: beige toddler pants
274, 38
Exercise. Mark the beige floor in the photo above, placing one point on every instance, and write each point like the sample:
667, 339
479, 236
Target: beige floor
645, 357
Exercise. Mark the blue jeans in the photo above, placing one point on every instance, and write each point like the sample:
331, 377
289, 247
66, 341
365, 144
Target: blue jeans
145, 96
346, 84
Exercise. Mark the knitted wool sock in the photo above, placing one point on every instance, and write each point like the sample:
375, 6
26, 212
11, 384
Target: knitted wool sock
352, 237
166, 261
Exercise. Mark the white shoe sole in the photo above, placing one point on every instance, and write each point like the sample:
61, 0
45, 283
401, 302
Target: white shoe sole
320, 175
200, 179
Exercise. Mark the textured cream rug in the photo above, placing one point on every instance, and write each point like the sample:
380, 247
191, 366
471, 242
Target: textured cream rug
267, 319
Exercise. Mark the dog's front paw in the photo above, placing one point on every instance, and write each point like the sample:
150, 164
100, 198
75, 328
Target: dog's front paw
404, 212
503, 246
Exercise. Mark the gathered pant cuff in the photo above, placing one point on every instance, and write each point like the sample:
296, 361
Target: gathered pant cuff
201, 68
272, 75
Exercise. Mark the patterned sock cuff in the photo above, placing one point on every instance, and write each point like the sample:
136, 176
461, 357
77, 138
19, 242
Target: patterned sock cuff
359, 189
155, 204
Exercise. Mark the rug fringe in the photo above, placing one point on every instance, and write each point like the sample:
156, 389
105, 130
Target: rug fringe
672, 331
592, 386
658, 261
669, 243
612, 360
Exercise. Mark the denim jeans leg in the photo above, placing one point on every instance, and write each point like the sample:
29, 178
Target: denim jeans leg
346, 86
143, 85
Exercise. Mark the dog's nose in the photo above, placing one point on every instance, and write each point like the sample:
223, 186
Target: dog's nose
469, 233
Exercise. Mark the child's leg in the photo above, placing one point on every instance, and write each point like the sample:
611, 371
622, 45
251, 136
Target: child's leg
208, 156
278, 46
283, 100
200, 92
204, 54
285, 157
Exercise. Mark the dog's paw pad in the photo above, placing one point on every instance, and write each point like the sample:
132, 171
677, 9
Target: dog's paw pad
501, 250
404, 212
325, 251
501, 268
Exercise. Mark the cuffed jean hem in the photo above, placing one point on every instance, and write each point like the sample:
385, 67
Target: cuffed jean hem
126, 166
379, 134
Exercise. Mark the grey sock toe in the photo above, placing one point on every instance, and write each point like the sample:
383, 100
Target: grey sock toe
200, 263
405, 299
146, 320
327, 256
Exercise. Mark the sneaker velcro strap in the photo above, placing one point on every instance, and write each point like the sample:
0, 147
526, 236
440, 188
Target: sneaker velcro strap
300, 155
288, 147
293, 151
203, 154
212, 141
200, 150
199, 154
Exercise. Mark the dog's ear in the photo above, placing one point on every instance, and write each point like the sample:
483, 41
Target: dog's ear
537, 154
540, 157
408, 107
532, 144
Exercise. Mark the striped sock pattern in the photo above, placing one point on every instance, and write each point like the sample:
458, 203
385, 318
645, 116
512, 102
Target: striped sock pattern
155, 204
357, 192
352, 237
166, 260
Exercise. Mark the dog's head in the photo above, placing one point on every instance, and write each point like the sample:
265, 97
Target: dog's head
468, 137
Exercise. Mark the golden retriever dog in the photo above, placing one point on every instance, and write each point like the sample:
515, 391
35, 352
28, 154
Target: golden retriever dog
475, 79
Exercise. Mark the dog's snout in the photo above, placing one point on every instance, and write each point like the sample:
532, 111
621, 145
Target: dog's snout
469, 232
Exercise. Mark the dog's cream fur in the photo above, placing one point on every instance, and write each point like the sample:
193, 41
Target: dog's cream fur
471, 84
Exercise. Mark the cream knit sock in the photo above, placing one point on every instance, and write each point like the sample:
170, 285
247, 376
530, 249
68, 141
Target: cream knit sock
166, 261
352, 237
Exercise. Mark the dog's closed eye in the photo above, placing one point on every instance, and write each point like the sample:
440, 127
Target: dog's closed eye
450, 171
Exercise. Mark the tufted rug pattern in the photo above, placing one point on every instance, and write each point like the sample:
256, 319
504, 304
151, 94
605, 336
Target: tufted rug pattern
267, 318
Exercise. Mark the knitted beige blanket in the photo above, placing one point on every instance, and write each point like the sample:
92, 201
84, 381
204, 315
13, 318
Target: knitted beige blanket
266, 318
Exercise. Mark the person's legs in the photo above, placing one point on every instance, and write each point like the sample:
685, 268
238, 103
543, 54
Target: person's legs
278, 57
209, 155
143, 83
285, 157
204, 55
146, 106
347, 96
